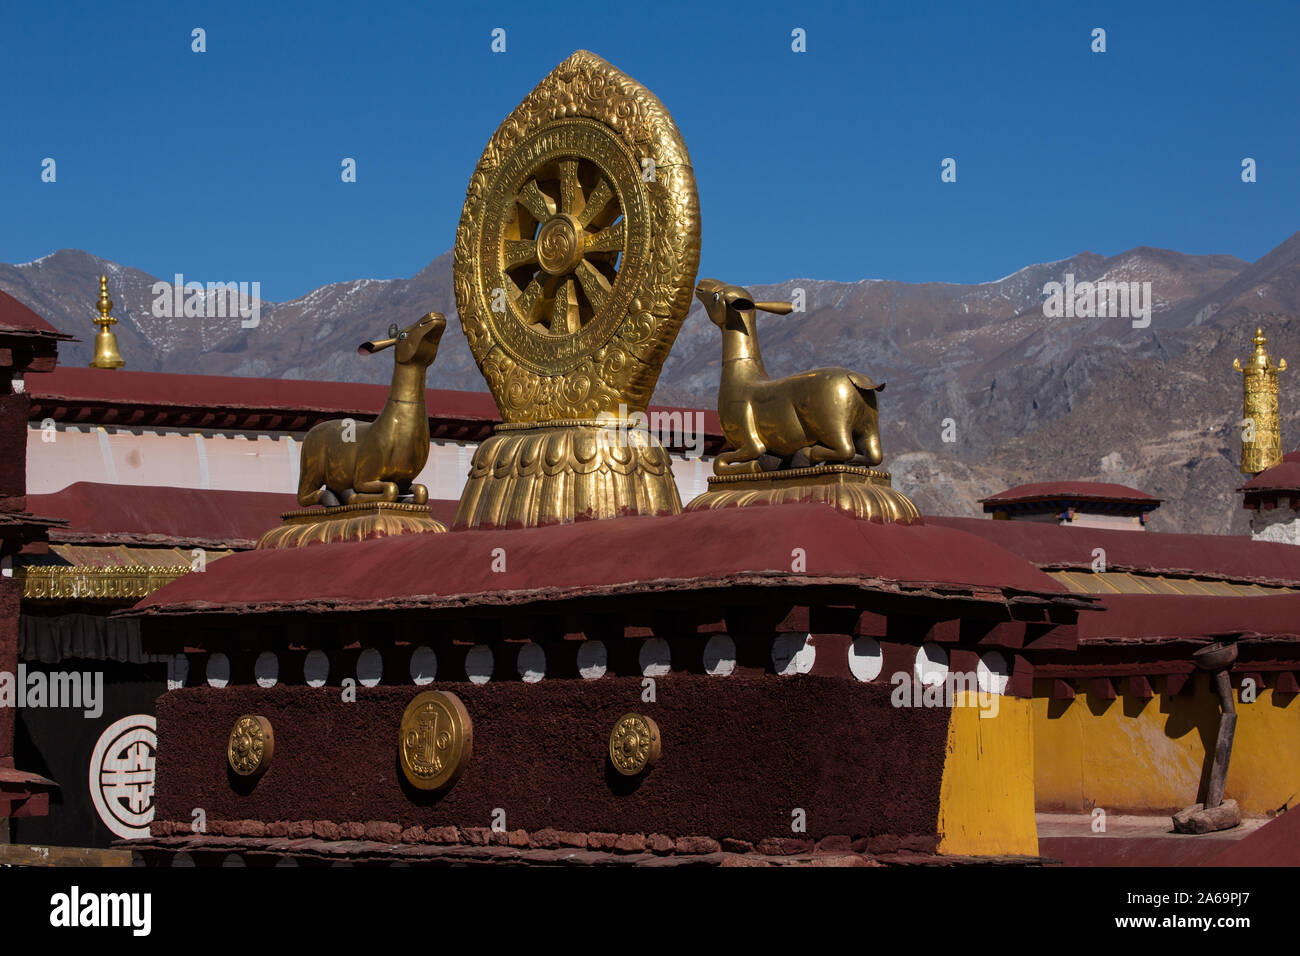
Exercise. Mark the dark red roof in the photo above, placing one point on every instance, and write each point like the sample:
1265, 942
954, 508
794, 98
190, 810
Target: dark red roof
1147, 617
16, 317
1276, 843
218, 392
1225, 557
140, 514
621, 557
1072, 491
1284, 476
119, 514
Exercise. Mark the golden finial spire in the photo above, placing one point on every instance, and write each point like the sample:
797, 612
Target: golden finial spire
1261, 435
106, 353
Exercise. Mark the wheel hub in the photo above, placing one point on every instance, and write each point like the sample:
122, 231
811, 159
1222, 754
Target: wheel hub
560, 245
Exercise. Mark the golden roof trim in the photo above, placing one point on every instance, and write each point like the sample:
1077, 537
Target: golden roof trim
46, 583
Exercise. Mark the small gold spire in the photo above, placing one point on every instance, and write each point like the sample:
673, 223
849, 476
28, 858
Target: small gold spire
106, 353
1261, 434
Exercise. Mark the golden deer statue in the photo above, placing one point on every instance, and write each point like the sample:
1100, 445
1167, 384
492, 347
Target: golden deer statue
827, 415
358, 462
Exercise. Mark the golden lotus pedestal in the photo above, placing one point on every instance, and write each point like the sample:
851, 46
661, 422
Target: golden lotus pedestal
862, 492
374, 519
531, 474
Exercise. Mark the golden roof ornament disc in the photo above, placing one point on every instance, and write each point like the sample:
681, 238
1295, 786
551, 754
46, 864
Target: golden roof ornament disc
577, 247
435, 740
251, 745
634, 744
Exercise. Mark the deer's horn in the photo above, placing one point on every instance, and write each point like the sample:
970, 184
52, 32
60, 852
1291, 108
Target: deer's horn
776, 308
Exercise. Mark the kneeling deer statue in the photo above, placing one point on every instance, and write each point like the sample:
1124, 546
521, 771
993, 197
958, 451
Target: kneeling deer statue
824, 416
358, 462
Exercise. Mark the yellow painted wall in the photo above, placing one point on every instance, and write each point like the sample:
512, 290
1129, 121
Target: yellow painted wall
986, 799
1150, 756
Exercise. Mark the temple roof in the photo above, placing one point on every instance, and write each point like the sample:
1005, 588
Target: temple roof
685, 552
1145, 618
1284, 476
138, 514
17, 318
1223, 557
98, 513
1083, 491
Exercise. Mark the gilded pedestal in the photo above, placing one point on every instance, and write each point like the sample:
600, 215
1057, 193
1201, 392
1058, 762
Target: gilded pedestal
862, 492
375, 519
558, 472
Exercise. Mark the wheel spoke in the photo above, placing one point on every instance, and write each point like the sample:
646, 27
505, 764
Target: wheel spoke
593, 284
520, 252
609, 239
568, 185
600, 198
527, 301
564, 314
539, 206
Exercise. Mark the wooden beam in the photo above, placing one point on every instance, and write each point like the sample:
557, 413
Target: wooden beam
1140, 687
1102, 688
24, 854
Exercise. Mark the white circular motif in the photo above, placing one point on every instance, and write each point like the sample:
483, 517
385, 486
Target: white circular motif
931, 665
865, 658
793, 654
532, 663
592, 660
424, 665
992, 673
720, 655
370, 667
316, 668
218, 670
266, 669
656, 658
122, 775
479, 664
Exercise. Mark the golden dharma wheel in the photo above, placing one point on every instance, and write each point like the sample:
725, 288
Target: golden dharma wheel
435, 740
634, 744
251, 745
577, 248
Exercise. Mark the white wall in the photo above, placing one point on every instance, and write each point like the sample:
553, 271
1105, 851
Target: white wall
230, 461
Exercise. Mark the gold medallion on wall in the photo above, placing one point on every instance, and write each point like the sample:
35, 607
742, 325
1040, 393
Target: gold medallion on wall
251, 746
435, 741
575, 260
634, 744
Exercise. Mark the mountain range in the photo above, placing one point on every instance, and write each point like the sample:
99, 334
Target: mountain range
983, 390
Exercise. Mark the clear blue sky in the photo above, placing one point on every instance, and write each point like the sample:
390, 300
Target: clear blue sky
225, 165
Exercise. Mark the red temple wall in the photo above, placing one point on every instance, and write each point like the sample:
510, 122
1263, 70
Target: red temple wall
740, 755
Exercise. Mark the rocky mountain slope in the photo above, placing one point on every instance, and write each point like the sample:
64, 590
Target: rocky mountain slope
984, 391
